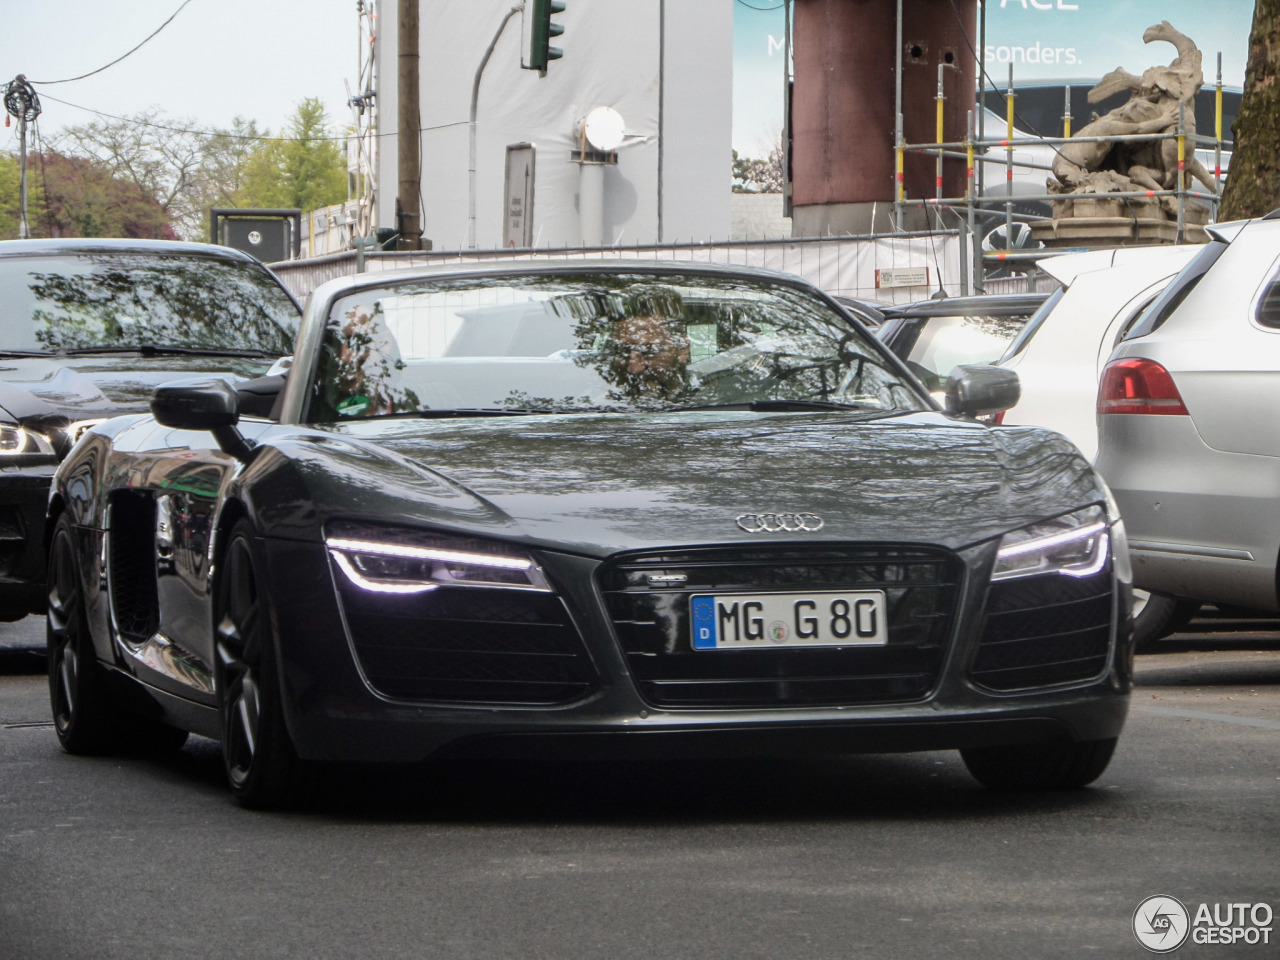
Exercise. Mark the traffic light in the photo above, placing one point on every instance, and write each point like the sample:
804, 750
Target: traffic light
539, 29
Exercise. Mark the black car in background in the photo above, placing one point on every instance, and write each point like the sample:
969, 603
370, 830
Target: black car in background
587, 508
933, 336
88, 328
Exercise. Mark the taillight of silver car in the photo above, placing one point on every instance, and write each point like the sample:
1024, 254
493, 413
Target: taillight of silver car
1138, 385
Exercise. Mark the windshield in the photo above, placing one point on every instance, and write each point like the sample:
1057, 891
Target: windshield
109, 299
1160, 309
592, 342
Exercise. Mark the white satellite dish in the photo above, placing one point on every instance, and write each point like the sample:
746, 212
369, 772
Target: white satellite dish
604, 129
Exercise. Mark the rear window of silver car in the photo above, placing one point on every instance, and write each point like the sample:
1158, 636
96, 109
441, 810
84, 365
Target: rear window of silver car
1163, 306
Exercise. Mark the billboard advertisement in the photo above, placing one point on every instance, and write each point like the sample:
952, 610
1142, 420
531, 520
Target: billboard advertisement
1044, 40
1081, 40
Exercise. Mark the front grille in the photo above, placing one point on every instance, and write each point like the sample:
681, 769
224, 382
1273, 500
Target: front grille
652, 622
468, 645
1045, 630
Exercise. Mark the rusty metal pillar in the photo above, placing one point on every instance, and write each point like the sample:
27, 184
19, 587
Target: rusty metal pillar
842, 119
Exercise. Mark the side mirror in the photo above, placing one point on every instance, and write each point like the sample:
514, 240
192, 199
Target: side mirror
209, 405
979, 390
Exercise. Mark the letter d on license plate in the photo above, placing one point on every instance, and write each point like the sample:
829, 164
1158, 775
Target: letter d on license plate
749, 621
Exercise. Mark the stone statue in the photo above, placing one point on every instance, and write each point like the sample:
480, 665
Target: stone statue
1110, 167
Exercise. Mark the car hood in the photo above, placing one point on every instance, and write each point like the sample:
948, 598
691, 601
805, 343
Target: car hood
599, 484
82, 388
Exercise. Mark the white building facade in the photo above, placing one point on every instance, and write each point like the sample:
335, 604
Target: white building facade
665, 66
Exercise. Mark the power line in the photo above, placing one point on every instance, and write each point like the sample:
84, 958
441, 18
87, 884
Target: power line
117, 59
234, 136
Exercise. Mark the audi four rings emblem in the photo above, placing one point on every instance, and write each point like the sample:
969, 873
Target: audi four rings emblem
778, 522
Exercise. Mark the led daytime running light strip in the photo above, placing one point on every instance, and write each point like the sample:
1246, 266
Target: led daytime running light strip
378, 586
428, 553
1099, 562
1053, 540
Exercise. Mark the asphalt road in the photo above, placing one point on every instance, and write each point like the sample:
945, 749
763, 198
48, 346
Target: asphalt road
882, 856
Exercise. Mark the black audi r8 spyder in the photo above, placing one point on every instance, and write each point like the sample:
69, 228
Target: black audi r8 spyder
88, 329
574, 508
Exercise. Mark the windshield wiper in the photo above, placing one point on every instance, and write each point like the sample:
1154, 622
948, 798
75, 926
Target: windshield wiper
467, 412
157, 350
783, 406
26, 353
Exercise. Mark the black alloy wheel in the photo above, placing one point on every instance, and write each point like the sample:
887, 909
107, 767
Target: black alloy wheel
85, 717
261, 764
82, 714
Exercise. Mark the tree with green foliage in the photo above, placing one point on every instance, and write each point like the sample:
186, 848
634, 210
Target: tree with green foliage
77, 197
10, 201
161, 158
223, 171
187, 171
82, 198
304, 169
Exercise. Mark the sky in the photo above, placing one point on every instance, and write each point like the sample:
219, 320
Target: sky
216, 60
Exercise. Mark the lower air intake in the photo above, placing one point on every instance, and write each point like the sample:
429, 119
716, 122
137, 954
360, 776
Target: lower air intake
1045, 630
468, 645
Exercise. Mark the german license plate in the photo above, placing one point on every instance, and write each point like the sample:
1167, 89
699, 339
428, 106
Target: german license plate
751, 621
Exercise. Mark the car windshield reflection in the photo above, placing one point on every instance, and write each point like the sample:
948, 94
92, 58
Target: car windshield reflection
126, 300
595, 342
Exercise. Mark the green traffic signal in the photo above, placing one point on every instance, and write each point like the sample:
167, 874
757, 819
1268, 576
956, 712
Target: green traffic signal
541, 29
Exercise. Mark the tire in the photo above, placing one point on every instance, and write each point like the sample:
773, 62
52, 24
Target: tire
1040, 766
1159, 616
262, 767
85, 718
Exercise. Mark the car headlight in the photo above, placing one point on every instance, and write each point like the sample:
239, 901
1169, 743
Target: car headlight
18, 442
1074, 544
77, 429
418, 563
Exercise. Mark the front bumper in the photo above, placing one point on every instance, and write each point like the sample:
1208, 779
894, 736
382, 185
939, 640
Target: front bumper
334, 713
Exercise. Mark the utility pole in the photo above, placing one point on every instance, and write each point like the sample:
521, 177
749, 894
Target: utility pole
24, 226
409, 136
20, 101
